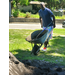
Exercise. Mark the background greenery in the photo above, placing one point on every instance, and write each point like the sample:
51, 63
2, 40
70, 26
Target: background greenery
22, 49
17, 13
50, 3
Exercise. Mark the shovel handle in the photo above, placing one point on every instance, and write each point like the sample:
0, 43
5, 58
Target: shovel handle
43, 29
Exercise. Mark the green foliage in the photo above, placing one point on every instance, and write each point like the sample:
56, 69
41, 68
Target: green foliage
23, 11
15, 12
24, 2
21, 14
16, 1
28, 15
50, 3
54, 3
13, 4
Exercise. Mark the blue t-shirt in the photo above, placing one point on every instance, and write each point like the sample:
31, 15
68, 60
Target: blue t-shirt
46, 16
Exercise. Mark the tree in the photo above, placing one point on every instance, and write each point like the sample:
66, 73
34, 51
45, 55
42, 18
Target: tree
14, 3
54, 3
17, 1
24, 2
50, 3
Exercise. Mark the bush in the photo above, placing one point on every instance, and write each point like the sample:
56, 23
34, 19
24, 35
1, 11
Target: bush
21, 14
28, 15
15, 12
23, 11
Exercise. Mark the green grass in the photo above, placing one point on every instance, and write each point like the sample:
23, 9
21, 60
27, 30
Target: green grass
34, 16
21, 14
60, 17
22, 49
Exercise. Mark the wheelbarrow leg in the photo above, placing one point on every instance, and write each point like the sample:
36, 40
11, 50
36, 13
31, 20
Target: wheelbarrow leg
35, 49
38, 49
32, 48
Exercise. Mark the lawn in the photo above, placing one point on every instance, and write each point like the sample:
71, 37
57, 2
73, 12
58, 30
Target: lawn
22, 49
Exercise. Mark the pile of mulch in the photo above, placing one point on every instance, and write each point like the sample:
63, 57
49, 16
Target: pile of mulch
33, 67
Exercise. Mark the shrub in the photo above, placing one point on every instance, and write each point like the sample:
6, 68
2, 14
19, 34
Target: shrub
23, 11
21, 14
28, 15
16, 12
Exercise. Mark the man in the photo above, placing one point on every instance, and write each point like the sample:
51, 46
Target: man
46, 17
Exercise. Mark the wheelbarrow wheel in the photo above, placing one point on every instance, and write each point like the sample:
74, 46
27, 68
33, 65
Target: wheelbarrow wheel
35, 50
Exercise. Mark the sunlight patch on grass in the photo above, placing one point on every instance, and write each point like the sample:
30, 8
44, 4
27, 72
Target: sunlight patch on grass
56, 54
15, 53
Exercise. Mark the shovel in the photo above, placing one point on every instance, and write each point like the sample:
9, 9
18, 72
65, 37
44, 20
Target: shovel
42, 30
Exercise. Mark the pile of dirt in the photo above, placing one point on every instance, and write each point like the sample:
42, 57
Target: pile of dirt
33, 67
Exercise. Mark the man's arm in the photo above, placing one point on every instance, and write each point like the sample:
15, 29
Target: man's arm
41, 22
50, 12
53, 20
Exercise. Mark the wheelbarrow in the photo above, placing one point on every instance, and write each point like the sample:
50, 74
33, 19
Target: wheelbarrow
38, 38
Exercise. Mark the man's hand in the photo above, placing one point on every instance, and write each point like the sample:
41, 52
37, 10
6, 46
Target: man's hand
41, 22
53, 20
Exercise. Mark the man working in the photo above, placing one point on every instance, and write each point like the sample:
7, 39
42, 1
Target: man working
46, 17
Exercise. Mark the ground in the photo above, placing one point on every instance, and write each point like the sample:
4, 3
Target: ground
33, 67
20, 48
45, 68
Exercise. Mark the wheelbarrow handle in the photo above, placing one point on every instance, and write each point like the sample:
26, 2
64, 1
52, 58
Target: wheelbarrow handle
43, 29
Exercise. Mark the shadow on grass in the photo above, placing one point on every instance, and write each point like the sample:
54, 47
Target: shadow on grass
58, 45
55, 53
22, 54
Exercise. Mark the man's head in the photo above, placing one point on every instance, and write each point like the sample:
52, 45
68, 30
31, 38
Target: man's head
42, 5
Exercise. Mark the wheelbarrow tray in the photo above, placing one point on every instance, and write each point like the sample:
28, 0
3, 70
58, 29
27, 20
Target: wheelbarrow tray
40, 39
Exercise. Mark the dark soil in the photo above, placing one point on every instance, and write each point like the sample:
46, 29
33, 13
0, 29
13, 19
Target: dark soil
33, 67
44, 67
